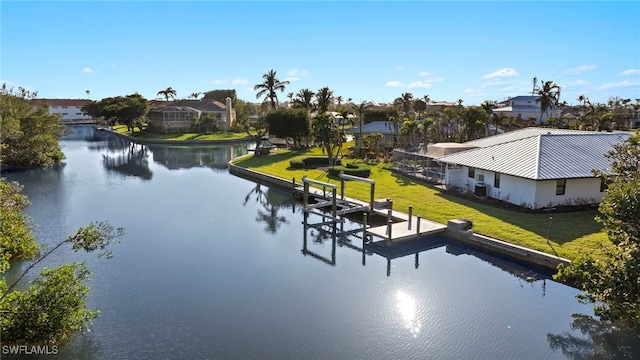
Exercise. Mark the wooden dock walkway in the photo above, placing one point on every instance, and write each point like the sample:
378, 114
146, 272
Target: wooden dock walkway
402, 230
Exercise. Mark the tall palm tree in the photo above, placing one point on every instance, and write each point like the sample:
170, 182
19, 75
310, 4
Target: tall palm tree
427, 101
460, 101
304, 99
404, 103
168, 93
339, 101
88, 92
324, 99
420, 106
195, 95
535, 85
269, 87
488, 106
548, 97
360, 109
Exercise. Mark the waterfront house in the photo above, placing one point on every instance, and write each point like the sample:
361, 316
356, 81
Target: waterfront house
181, 115
532, 167
69, 110
525, 108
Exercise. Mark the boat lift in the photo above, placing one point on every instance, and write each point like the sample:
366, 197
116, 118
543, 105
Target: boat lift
345, 206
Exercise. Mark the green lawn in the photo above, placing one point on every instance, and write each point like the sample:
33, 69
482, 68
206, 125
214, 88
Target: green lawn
180, 136
571, 233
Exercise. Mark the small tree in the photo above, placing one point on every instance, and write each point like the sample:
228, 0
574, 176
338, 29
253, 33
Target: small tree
53, 307
327, 136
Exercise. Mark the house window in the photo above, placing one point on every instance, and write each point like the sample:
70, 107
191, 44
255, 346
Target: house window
64, 107
472, 172
603, 185
496, 181
560, 186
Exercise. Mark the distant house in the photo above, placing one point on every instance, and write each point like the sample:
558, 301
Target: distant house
532, 167
181, 115
374, 127
526, 107
67, 109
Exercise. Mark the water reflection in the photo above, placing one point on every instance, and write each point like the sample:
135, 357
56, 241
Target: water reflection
131, 161
272, 202
83, 132
605, 340
185, 157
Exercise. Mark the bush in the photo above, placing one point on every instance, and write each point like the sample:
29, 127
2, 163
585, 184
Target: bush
297, 164
362, 171
311, 162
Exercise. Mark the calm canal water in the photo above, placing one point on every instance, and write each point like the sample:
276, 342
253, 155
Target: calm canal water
217, 267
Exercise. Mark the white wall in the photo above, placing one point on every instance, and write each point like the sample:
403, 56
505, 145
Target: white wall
577, 191
515, 190
68, 113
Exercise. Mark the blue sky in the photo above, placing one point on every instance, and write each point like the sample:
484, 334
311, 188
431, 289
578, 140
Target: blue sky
363, 50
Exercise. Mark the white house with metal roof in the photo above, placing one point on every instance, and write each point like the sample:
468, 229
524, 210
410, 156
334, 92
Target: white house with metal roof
534, 167
526, 107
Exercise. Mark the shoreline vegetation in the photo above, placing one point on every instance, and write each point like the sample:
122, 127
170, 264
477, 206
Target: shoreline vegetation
569, 234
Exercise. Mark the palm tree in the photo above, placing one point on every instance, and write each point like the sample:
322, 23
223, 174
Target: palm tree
488, 106
404, 102
168, 93
360, 109
460, 101
269, 87
324, 99
427, 101
420, 106
195, 95
339, 101
88, 92
535, 85
304, 99
548, 96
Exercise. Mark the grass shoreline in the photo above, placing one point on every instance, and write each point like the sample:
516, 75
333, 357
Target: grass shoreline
570, 234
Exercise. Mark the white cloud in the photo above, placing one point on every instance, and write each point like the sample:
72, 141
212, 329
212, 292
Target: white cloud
296, 73
581, 69
419, 84
423, 73
620, 84
467, 91
630, 72
239, 81
506, 72
292, 79
401, 68
393, 83
88, 70
220, 81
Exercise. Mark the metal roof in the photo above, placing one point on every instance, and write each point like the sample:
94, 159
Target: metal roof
542, 156
521, 134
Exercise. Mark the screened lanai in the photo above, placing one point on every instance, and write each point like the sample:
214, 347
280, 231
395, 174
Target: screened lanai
422, 161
